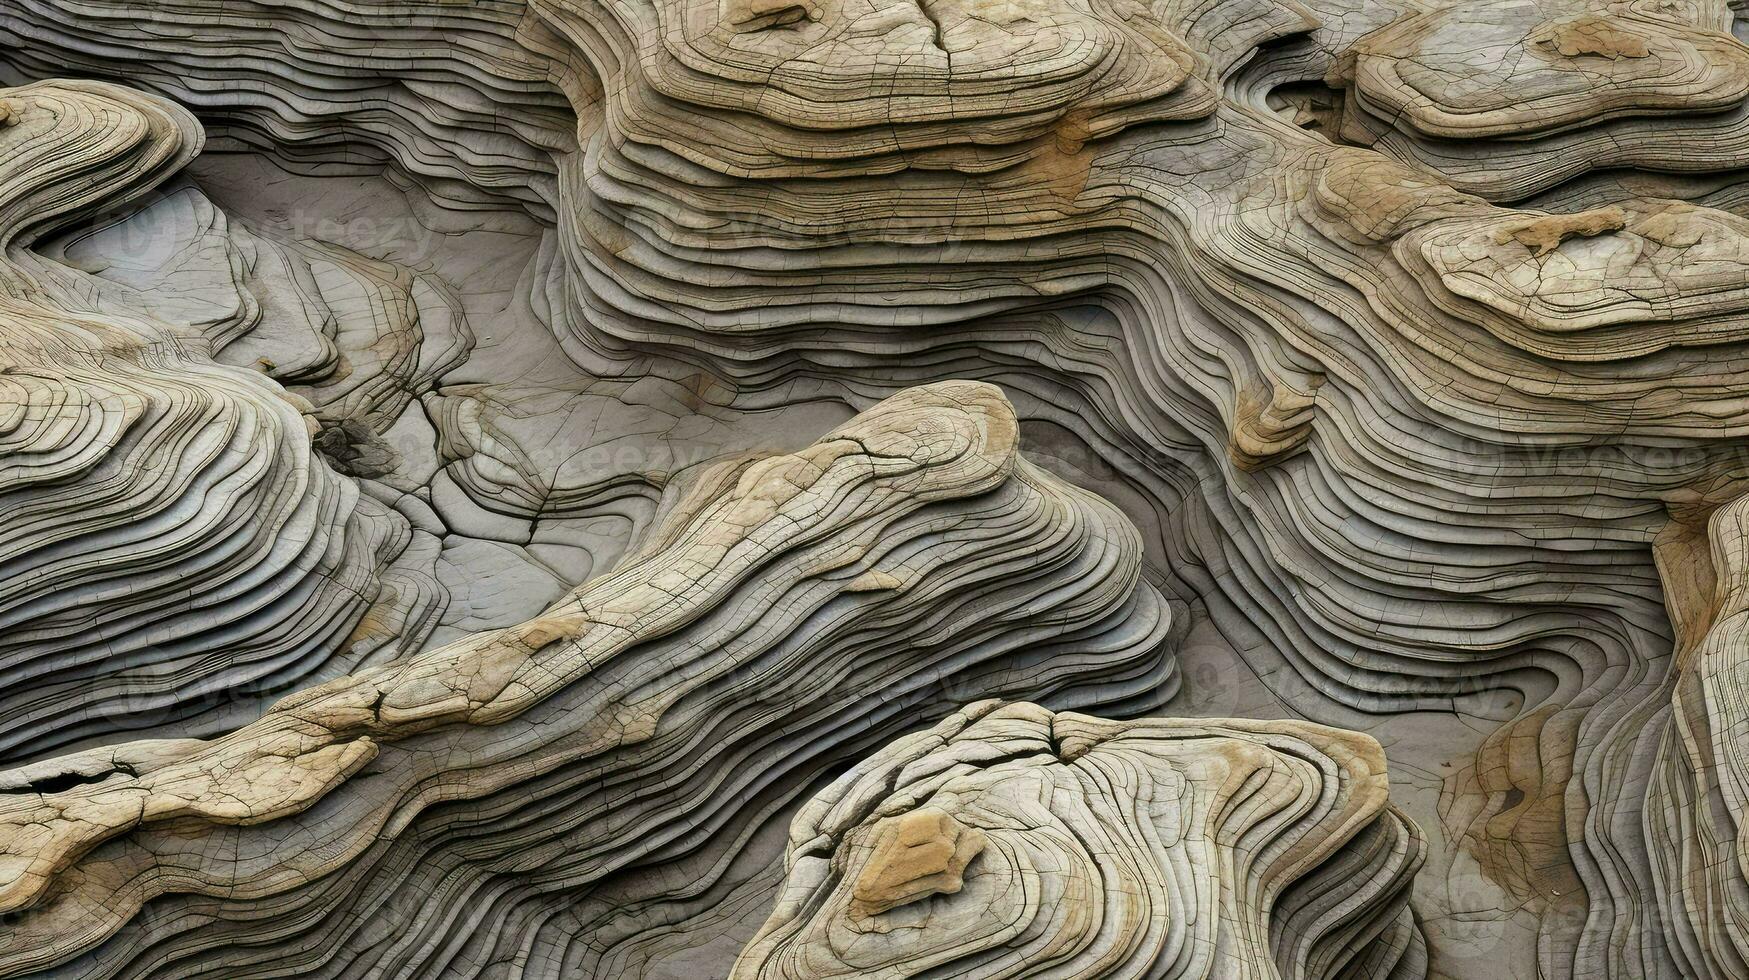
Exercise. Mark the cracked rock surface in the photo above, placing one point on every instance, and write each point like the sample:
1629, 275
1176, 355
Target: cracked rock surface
520, 489
1015, 841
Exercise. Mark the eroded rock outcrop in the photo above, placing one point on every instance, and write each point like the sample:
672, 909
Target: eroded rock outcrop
1410, 333
1695, 803
169, 542
1016, 841
908, 554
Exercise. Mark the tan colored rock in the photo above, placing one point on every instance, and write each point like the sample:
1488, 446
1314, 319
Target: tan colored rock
923, 853
1409, 335
1036, 843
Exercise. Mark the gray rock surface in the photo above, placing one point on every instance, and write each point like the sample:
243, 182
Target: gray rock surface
1367, 365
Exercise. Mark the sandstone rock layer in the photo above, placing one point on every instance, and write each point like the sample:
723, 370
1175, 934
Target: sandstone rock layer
470, 471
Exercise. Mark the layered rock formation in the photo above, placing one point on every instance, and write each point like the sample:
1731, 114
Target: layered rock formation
840, 589
1015, 841
1402, 341
169, 542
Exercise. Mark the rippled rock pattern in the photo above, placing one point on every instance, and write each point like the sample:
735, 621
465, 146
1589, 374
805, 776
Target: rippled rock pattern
476, 472
1014, 841
168, 536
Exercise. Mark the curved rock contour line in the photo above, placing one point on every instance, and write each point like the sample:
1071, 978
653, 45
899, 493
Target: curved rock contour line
168, 534
1406, 337
1015, 841
694, 632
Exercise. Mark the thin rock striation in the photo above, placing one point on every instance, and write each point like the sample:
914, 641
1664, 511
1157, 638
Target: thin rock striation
170, 545
909, 554
1408, 335
1017, 841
